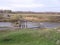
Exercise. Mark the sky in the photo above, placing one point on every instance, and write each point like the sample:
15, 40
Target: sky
31, 5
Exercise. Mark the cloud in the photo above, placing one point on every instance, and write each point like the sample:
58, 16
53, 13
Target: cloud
5, 8
34, 5
55, 1
21, 1
20, 4
27, 5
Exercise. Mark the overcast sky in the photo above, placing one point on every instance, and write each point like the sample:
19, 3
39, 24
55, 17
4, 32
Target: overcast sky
31, 5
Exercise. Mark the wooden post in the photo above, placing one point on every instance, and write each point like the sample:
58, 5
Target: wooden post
26, 24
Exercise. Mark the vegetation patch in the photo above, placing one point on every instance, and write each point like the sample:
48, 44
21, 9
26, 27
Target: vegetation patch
30, 37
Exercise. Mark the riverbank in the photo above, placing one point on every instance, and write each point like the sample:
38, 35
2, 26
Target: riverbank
30, 17
30, 37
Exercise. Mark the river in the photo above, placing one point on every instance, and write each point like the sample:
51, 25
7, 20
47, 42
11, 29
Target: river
33, 24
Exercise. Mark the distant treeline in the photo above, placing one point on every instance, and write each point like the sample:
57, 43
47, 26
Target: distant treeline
27, 12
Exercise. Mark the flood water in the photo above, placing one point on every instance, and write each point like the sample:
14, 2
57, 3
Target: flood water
33, 24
